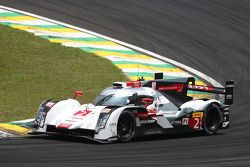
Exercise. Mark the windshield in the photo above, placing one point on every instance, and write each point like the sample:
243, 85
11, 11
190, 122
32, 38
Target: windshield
118, 97
112, 100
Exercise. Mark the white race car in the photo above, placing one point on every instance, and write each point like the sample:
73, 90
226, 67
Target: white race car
135, 108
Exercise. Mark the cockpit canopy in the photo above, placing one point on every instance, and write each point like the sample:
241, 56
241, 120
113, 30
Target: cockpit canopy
125, 96
136, 97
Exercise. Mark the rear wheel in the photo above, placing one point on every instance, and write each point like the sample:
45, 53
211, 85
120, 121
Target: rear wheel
212, 119
126, 126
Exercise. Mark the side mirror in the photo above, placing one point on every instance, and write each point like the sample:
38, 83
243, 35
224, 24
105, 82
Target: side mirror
77, 93
147, 101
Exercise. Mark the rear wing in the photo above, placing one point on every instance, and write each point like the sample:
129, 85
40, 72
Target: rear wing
227, 90
182, 85
178, 88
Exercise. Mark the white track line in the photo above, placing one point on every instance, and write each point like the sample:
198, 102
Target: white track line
189, 69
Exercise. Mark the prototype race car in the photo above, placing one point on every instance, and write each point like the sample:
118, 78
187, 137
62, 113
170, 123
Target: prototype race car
130, 109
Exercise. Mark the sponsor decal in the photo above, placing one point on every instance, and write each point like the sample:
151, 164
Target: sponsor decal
147, 121
64, 125
176, 122
106, 110
177, 87
229, 96
82, 113
50, 104
77, 118
134, 84
185, 121
142, 115
69, 120
225, 118
225, 124
197, 114
200, 87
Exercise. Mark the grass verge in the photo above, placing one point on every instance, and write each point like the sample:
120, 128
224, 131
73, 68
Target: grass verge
33, 69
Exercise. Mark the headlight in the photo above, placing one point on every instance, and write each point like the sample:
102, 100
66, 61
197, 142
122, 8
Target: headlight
41, 115
103, 118
40, 118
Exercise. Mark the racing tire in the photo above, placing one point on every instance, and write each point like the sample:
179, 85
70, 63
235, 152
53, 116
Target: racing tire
212, 119
126, 126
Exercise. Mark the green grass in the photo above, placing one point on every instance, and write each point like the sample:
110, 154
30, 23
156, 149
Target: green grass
33, 69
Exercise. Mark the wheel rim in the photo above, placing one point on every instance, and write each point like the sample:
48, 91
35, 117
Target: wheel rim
125, 127
212, 119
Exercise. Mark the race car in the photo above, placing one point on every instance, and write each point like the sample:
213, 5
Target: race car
130, 109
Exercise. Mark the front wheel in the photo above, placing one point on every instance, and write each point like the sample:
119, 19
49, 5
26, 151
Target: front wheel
126, 126
212, 119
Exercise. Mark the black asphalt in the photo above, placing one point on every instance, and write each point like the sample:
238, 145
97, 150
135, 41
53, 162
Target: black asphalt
210, 36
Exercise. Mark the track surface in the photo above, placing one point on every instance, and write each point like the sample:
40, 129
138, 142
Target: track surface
211, 36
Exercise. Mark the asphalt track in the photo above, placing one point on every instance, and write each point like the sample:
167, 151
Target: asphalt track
210, 36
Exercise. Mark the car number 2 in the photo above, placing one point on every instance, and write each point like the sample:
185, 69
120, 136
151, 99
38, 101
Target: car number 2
195, 123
